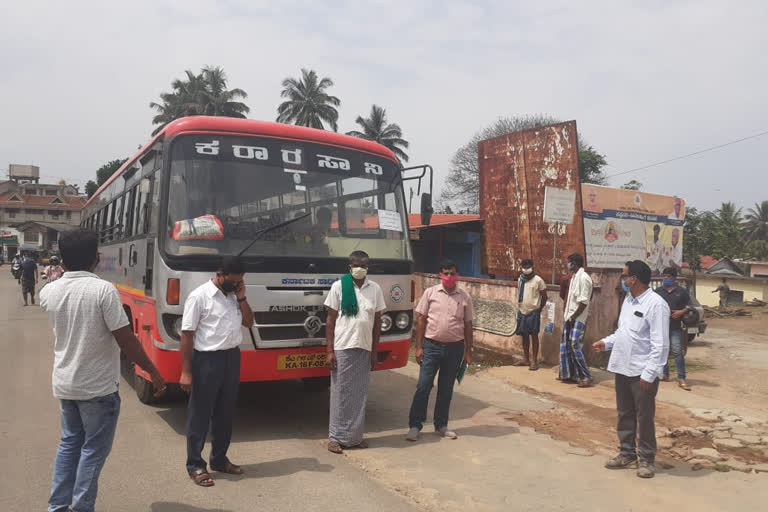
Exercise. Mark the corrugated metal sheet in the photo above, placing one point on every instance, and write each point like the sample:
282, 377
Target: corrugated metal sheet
515, 169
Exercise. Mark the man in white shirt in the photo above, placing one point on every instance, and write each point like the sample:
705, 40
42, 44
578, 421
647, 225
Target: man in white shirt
352, 331
639, 350
90, 329
655, 251
675, 253
531, 299
677, 210
573, 366
211, 333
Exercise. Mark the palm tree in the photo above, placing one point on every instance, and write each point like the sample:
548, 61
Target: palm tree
308, 104
756, 225
202, 93
728, 226
217, 99
375, 128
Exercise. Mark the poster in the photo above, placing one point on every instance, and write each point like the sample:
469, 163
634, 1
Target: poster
622, 225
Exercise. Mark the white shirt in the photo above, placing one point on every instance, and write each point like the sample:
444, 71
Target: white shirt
84, 310
656, 259
580, 292
675, 255
356, 331
640, 345
531, 294
215, 318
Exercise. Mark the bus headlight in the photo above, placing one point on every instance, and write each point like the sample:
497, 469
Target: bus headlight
402, 321
386, 322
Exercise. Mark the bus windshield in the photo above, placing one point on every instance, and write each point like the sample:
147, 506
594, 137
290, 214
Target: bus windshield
226, 190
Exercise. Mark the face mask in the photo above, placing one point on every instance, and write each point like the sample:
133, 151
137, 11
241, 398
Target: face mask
449, 281
625, 287
668, 282
358, 272
570, 266
527, 271
227, 287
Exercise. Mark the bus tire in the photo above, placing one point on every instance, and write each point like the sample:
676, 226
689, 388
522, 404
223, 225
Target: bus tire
316, 384
144, 389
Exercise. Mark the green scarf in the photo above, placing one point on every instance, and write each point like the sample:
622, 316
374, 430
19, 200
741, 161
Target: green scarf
348, 298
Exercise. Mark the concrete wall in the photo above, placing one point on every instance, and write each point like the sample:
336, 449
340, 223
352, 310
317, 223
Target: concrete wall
496, 311
756, 269
756, 288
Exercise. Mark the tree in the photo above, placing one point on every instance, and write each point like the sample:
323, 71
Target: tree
90, 188
308, 103
757, 250
204, 93
632, 185
376, 128
461, 187
729, 236
756, 222
108, 169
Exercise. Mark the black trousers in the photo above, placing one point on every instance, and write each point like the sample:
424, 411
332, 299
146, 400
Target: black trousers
637, 411
215, 382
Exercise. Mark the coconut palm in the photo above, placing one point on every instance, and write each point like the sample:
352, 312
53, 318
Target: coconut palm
202, 93
308, 103
376, 128
756, 222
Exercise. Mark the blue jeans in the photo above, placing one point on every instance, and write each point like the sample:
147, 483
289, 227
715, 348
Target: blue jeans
676, 350
87, 431
443, 359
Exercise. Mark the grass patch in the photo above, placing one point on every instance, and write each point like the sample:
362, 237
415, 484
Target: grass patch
691, 365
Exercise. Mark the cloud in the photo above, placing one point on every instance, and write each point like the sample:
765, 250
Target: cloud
645, 81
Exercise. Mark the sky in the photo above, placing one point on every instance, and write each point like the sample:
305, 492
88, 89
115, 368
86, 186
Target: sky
645, 81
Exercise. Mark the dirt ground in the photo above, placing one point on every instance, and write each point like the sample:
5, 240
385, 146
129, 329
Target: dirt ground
727, 369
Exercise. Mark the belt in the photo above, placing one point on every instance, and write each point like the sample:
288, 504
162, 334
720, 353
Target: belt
443, 344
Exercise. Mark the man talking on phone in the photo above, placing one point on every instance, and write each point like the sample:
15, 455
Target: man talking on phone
639, 350
210, 366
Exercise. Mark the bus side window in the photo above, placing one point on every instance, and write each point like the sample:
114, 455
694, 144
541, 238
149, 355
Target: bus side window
137, 212
119, 225
111, 221
128, 215
154, 208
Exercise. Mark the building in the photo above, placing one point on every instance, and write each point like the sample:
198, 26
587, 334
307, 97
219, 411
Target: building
747, 280
448, 236
32, 214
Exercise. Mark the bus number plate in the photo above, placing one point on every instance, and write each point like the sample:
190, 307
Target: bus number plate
300, 361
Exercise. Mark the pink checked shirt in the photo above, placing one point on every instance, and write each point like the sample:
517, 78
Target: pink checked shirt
445, 313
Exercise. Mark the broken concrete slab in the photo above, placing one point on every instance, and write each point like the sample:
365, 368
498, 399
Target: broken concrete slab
721, 434
709, 454
748, 439
738, 465
728, 443
707, 414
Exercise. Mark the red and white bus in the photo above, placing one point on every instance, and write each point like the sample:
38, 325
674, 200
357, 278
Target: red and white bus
294, 201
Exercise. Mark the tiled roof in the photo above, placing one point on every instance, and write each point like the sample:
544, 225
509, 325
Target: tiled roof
28, 200
442, 219
707, 262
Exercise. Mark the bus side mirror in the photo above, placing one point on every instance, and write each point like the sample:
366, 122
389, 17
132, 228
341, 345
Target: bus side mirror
426, 209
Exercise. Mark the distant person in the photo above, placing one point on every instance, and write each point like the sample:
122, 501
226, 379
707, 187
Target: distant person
90, 330
444, 318
28, 279
355, 304
724, 290
677, 210
655, 251
53, 271
531, 299
573, 366
677, 299
639, 350
211, 333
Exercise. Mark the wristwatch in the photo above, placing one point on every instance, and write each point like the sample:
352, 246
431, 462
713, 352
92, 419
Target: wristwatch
242, 300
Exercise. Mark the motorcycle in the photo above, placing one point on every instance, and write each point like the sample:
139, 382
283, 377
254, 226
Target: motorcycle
16, 271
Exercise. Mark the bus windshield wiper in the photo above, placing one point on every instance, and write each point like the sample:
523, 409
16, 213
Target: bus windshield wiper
264, 231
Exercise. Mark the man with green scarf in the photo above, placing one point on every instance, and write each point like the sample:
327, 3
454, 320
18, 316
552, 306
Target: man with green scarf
355, 305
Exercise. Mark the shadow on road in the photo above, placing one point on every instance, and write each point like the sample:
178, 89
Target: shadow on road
276, 468
173, 506
429, 436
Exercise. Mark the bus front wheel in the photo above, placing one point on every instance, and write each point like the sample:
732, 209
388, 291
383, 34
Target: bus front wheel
144, 389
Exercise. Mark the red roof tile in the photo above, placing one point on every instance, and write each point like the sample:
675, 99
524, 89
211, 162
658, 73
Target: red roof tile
442, 219
27, 200
707, 262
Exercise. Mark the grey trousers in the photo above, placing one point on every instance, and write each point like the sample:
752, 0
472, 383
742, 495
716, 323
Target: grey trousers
636, 409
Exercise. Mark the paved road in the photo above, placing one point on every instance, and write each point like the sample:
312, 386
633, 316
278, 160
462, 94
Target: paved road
495, 465
278, 440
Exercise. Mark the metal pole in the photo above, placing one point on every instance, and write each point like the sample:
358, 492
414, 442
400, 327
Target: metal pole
554, 254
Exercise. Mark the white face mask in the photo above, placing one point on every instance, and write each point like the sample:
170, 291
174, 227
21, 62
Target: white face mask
358, 272
527, 271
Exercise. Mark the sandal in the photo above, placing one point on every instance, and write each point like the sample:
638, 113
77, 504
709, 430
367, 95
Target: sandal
522, 363
533, 367
585, 383
201, 477
683, 385
229, 468
335, 447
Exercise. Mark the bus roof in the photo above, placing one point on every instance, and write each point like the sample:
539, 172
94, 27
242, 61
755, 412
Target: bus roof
235, 126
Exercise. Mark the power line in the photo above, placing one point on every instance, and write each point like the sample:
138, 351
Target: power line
689, 154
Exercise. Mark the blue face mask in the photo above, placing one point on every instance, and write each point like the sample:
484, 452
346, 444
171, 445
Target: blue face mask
624, 286
668, 282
